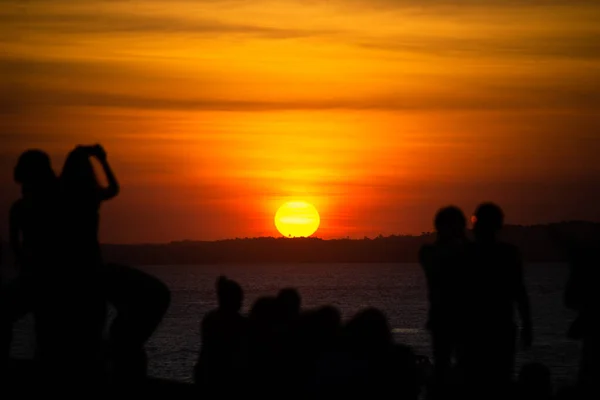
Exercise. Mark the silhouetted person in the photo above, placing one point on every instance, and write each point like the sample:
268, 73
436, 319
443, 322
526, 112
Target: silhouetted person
68, 309
222, 363
82, 198
582, 294
140, 299
32, 240
495, 286
444, 263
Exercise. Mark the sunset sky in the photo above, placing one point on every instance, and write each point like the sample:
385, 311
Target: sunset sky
378, 112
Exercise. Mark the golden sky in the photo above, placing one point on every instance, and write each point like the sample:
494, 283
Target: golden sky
376, 111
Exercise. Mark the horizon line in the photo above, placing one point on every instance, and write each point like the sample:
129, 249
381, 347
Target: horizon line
317, 238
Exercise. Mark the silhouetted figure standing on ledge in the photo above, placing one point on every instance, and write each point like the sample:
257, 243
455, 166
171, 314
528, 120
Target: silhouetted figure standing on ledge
444, 264
140, 299
222, 362
32, 240
496, 285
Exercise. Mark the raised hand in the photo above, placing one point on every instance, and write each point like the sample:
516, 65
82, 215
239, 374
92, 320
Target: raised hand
99, 152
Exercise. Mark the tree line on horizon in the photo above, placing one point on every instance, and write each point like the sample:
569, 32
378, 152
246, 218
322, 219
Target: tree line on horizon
537, 243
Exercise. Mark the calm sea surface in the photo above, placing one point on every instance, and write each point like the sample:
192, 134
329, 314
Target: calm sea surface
397, 289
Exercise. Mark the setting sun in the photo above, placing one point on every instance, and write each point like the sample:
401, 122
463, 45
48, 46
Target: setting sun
297, 219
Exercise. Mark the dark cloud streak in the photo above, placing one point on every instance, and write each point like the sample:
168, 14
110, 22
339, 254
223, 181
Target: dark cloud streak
109, 23
586, 47
548, 98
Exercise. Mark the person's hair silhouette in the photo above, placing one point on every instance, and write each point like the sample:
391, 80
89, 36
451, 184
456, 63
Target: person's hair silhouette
34, 168
229, 294
488, 221
450, 224
78, 173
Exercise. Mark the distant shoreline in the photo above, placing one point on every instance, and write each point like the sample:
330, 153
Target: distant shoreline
538, 244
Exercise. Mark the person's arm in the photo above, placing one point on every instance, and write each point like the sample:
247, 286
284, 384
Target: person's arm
113, 186
14, 239
523, 304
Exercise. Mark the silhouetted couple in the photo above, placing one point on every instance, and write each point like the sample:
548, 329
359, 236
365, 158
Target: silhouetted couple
474, 288
63, 279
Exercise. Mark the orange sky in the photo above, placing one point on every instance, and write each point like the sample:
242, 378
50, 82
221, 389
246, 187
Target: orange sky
376, 111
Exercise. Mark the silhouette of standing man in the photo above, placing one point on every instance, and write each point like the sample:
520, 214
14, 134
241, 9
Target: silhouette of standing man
496, 286
444, 264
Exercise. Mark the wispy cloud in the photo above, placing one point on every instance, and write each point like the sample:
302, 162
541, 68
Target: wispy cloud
581, 98
109, 23
569, 46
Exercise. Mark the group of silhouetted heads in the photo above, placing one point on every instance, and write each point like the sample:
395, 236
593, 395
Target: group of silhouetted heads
283, 349
34, 169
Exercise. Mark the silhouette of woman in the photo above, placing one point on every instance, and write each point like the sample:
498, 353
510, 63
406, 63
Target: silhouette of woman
83, 196
444, 264
31, 239
139, 299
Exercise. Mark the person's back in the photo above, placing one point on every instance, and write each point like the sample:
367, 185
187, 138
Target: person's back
223, 355
34, 217
444, 264
496, 279
495, 288
33, 241
80, 203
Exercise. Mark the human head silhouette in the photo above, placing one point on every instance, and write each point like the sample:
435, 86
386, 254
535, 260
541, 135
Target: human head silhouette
489, 219
229, 294
450, 223
369, 330
34, 170
290, 301
78, 172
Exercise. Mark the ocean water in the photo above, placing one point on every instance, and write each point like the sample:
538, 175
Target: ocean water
397, 289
